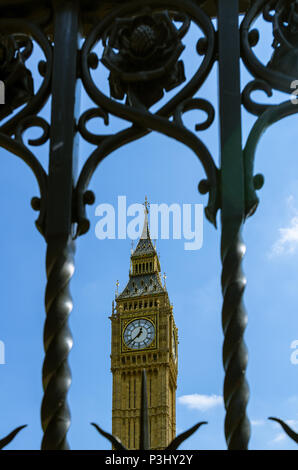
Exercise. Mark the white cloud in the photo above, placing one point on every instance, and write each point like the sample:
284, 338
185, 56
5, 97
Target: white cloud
280, 437
258, 422
293, 400
292, 423
287, 243
201, 402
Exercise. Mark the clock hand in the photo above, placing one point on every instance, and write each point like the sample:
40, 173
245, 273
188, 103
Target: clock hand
135, 337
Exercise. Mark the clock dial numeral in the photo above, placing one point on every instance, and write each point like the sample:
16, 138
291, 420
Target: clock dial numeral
139, 334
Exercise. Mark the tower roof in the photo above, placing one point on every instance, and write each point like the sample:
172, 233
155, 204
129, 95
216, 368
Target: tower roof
145, 245
146, 282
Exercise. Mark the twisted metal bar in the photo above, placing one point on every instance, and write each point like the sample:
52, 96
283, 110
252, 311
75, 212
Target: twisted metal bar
234, 320
56, 374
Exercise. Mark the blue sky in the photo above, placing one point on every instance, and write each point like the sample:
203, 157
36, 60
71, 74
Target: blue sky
167, 172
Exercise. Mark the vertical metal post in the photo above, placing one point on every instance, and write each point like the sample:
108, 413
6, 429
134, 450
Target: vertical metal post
234, 318
55, 414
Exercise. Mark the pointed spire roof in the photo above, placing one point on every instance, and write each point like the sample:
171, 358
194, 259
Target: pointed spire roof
143, 282
145, 245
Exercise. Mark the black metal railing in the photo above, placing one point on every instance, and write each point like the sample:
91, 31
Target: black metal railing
141, 79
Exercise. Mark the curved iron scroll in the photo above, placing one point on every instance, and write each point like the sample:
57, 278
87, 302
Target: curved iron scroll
273, 114
147, 65
7, 439
137, 111
289, 431
280, 73
282, 69
17, 37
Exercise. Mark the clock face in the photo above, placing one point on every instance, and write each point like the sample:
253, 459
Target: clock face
139, 334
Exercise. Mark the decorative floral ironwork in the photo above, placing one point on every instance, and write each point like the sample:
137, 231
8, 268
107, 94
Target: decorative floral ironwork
282, 68
146, 62
277, 74
132, 24
17, 78
16, 46
285, 31
142, 49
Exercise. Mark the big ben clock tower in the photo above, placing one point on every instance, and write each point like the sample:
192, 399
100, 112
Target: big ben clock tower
144, 336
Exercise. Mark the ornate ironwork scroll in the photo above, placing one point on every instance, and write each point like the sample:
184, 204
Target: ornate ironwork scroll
280, 73
142, 48
146, 64
283, 16
16, 47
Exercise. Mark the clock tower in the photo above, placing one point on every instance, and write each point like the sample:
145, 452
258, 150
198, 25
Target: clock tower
144, 336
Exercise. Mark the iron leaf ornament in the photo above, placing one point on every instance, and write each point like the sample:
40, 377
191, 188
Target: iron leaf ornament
142, 54
6, 440
15, 49
292, 434
285, 31
144, 426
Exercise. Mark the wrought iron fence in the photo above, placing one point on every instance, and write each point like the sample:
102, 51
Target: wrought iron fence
142, 48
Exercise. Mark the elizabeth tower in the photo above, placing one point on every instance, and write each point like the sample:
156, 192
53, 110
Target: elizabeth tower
144, 336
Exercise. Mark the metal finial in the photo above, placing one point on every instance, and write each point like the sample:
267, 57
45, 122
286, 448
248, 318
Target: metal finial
146, 204
164, 279
144, 426
117, 288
